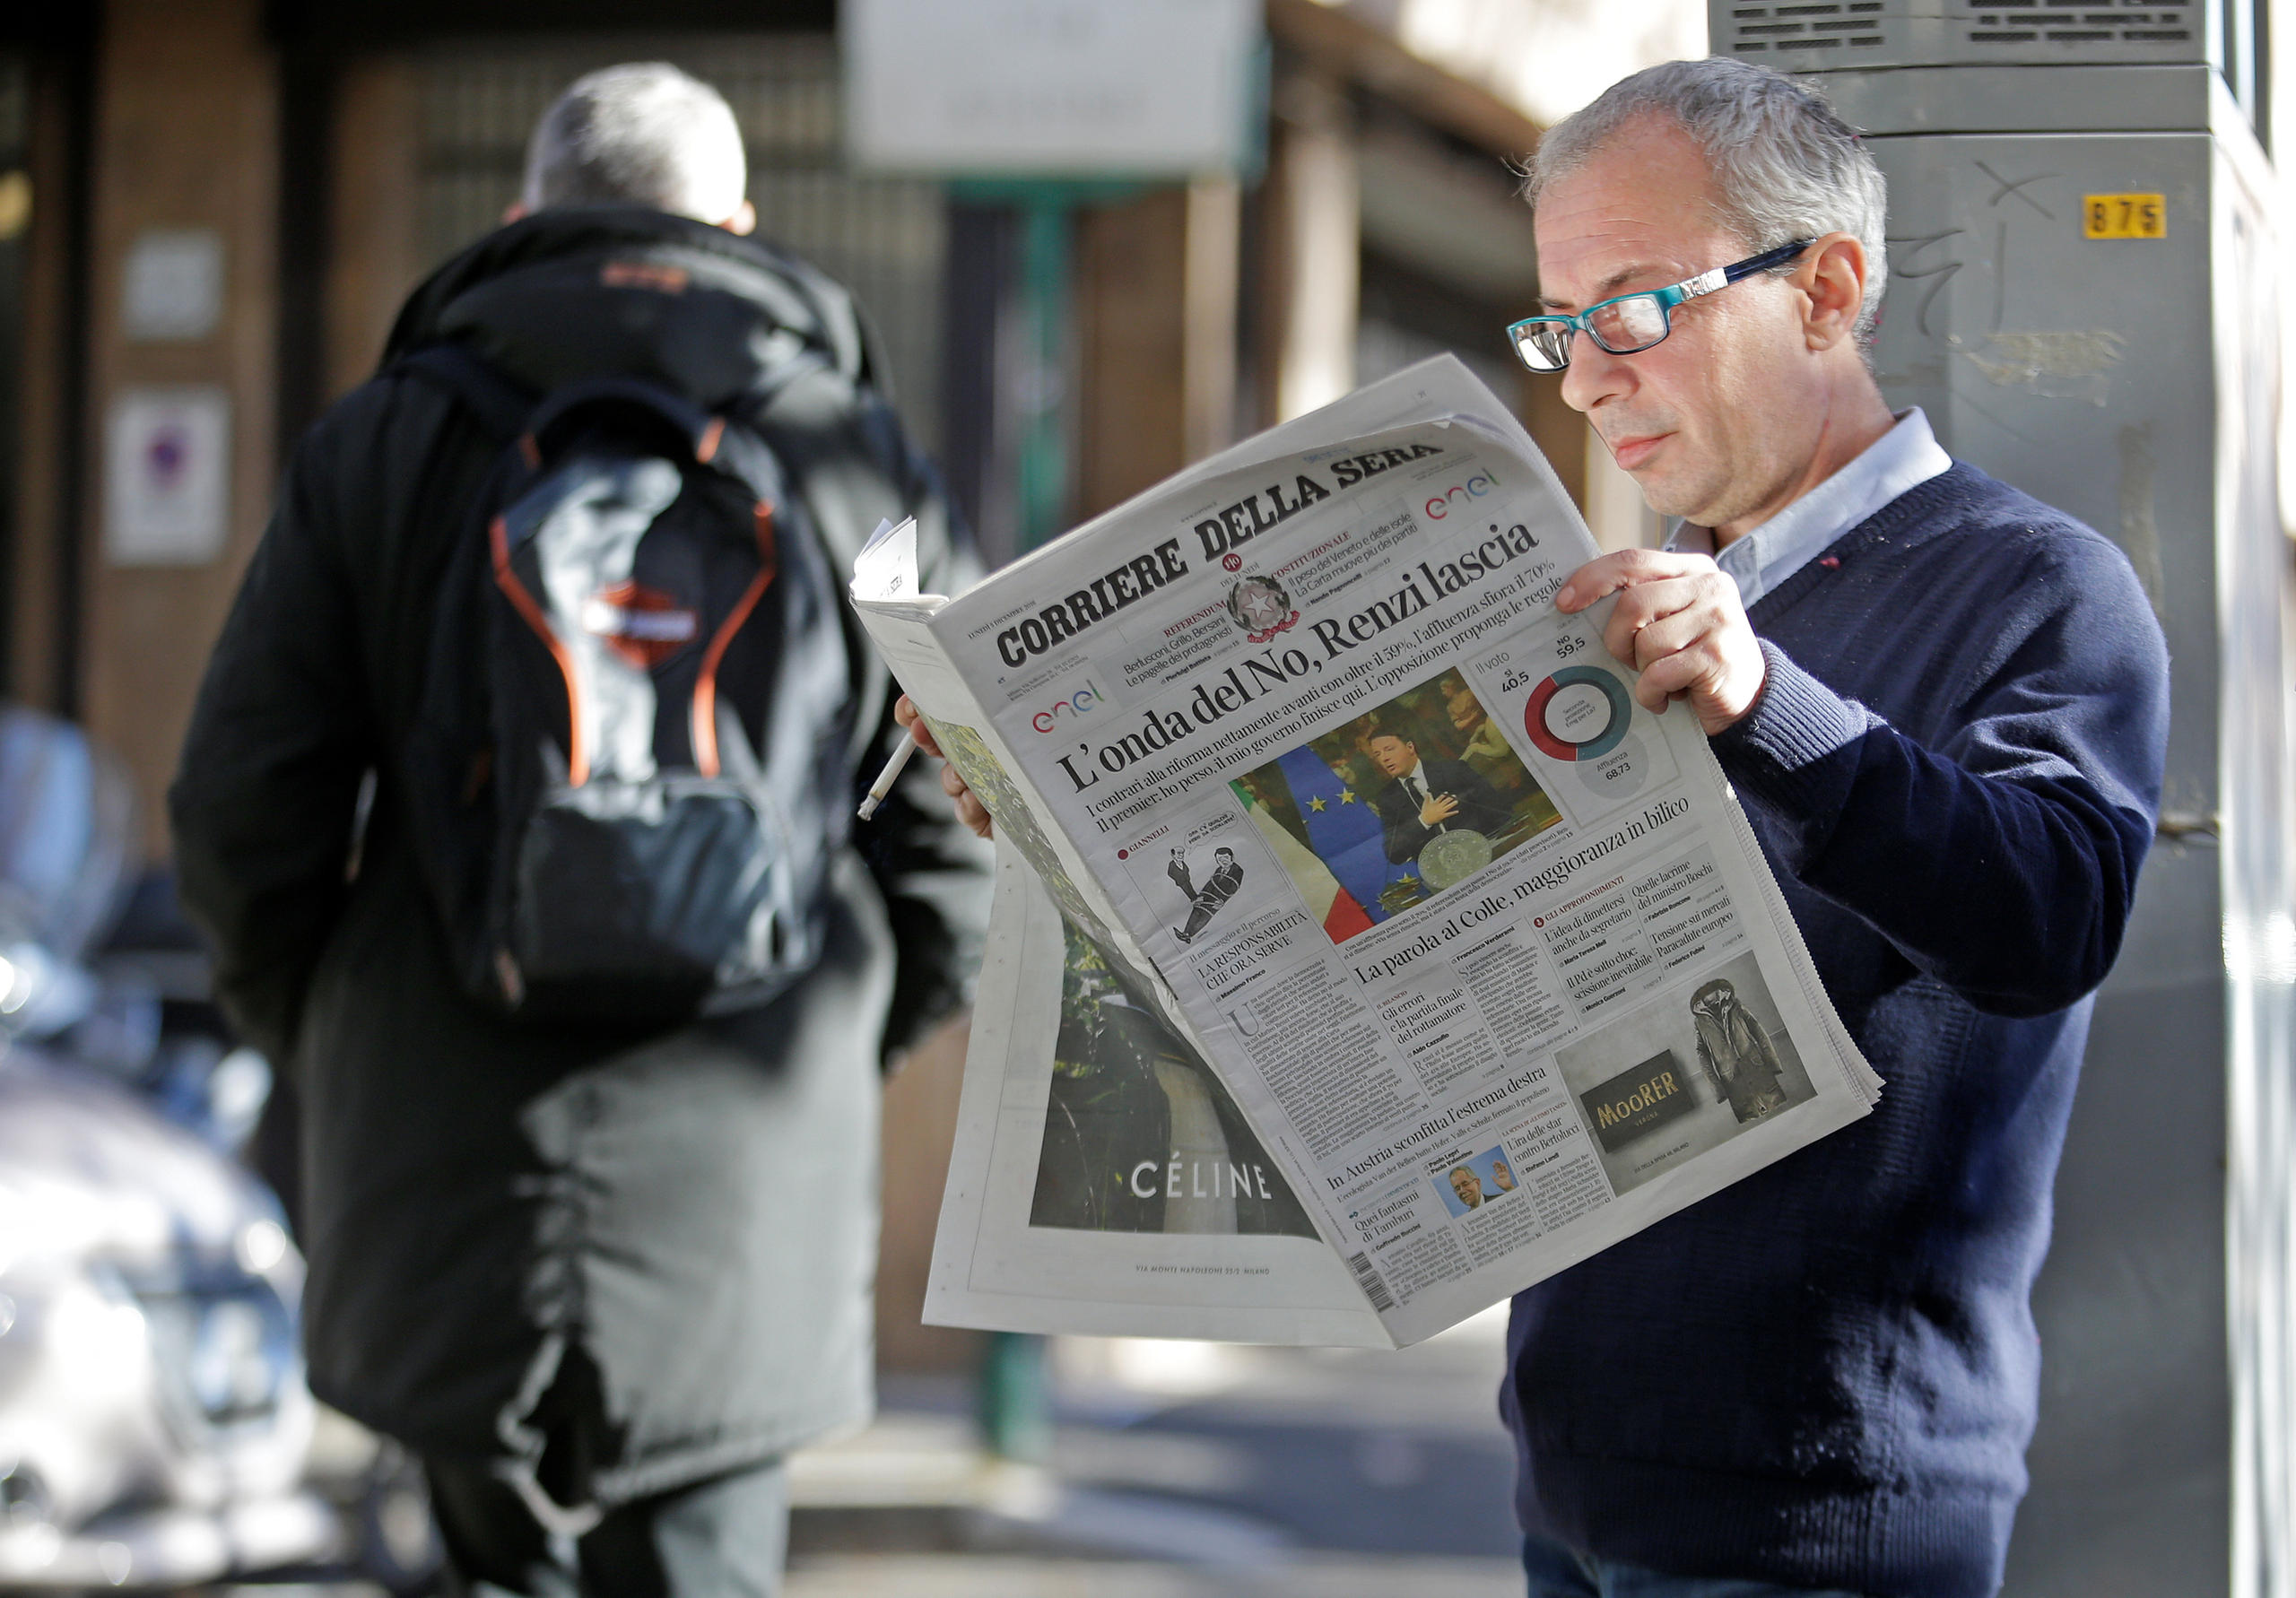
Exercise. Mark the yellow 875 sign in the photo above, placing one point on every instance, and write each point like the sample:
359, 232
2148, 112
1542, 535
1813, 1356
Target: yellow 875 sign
2125, 216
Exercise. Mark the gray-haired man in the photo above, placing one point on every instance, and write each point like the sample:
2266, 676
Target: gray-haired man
1945, 712
601, 1278
1944, 706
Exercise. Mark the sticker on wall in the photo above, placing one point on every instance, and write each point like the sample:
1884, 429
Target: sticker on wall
171, 287
2123, 216
167, 476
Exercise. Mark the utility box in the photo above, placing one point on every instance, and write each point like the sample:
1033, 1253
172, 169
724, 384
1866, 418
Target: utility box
1860, 35
2083, 297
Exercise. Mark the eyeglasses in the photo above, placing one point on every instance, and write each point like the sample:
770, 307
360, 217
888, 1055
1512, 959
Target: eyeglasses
1633, 323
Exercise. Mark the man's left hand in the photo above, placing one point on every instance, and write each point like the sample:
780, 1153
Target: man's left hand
971, 810
1678, 622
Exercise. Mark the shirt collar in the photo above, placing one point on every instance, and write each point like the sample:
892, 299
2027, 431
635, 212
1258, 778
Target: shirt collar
1762, 559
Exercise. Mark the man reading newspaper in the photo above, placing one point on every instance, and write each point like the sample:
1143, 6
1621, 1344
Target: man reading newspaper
1944, 707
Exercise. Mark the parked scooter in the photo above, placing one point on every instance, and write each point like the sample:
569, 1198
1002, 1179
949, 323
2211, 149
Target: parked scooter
156, 1427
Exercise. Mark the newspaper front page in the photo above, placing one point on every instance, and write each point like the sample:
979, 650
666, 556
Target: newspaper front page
1482, 953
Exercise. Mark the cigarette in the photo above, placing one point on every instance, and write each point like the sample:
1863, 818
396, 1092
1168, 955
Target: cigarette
889, 776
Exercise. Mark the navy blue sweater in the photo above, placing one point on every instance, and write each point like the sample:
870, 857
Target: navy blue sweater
1825, 1377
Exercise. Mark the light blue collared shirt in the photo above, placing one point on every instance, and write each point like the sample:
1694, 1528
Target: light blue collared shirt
1765, 556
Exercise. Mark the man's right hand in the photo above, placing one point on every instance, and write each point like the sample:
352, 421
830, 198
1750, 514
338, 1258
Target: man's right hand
970, 809
1439, 809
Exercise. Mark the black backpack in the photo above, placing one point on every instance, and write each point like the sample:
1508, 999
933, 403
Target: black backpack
628, 779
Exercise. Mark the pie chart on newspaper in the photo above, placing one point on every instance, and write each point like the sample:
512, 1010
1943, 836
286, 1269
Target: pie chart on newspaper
1582, 714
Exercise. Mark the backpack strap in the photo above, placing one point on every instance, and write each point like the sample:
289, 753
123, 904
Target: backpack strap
696, 429
500, 405
507, 409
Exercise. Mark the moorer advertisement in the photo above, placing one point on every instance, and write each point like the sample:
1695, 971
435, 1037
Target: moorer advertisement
1380, 869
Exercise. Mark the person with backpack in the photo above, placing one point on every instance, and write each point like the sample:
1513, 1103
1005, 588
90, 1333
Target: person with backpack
518, 805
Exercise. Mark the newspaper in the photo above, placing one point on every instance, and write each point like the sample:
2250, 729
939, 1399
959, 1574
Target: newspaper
1102, 1180
1361, 856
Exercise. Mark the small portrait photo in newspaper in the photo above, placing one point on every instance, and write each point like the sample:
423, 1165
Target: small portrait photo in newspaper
1382, 813
1139, 1135
1484, 1179
1711, 1059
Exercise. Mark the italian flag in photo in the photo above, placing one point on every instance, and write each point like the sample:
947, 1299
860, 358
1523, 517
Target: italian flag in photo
1343, 917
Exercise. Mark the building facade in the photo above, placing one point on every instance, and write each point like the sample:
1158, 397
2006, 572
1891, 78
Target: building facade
211, 209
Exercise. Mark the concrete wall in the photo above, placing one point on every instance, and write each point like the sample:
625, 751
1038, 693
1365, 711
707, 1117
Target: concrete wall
374, 245
186, 136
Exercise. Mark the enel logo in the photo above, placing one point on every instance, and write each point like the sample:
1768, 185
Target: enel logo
1082, 702
1474, 488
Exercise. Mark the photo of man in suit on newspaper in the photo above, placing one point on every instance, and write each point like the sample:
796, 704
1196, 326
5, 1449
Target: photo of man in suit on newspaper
1424, 797
1380, 813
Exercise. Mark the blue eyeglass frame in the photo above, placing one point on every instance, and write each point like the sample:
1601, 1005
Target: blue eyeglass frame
1690, 288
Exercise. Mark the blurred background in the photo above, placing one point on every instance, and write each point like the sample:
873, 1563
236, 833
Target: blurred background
211, 209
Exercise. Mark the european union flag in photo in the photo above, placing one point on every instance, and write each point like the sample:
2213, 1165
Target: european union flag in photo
1343, 829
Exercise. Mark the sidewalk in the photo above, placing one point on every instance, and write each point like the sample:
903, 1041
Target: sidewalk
1182, 1470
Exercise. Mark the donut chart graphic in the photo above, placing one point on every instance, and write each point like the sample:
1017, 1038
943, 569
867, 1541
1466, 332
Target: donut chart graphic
1602, 734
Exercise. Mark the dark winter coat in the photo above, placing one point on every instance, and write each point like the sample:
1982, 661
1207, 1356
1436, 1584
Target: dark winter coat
694, 1211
